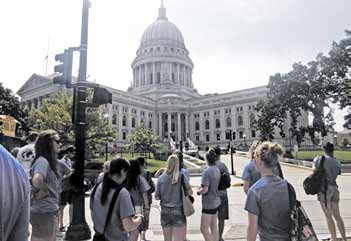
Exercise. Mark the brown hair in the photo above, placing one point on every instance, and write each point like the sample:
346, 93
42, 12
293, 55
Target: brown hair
43, 148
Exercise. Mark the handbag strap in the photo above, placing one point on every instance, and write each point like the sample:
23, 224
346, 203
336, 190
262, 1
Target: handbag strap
112, 205
182, 185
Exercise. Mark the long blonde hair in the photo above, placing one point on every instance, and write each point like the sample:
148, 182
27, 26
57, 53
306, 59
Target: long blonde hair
173, 168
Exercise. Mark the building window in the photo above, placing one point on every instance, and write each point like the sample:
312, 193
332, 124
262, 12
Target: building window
133, 122
151, 78
218, 137
158, 79
229, 122
142, 122
207, 124
227, 135
207, 138
114, 119
173, 127
218, 123
124, 121
166, 127
197, 138
241, 135
173, 77
253, 133
234, 135
150, 124
124, 136
197, 126
252, 119
240, 120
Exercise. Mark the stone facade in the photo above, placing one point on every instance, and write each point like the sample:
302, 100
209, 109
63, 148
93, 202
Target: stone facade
162, 96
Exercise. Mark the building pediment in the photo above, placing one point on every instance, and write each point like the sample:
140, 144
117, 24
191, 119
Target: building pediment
33, 82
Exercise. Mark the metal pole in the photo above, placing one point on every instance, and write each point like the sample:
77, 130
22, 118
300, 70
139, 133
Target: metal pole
106, 150
231, 152
79, 229
290, 140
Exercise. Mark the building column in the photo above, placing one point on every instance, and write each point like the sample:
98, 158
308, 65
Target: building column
154, 73
187, 134
161, 73
169, 115
170, 71
120, 116
179, 127
139, 76
146, 75
160, 126
178, 74
191, 78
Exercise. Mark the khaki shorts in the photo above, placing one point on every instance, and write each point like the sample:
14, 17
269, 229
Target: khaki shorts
44, 225
333, 195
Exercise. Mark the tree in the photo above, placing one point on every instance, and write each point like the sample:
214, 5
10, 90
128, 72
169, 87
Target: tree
55, 113
10, 105
143, 139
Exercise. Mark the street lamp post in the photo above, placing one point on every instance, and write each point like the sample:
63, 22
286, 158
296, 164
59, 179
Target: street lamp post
244, 136
231, 151
106, 146
335, 140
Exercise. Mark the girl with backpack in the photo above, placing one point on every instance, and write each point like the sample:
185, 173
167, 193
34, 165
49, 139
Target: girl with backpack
168, 191
210, 198
267, 201
45, 187
111, 206
329, 199
138, 189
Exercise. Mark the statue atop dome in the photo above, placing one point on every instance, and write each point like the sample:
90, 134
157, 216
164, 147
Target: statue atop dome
162, 12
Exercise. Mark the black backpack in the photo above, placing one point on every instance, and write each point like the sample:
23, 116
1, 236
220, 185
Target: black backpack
224, 182
313, 183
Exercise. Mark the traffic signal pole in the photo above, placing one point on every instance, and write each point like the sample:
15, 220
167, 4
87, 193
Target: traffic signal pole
79, 229
231, 152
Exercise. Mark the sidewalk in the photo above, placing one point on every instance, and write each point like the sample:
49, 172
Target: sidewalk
235, 229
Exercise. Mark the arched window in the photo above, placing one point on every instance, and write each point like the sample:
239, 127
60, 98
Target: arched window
218, 123
150, 124
124, 121
229, 122
240, 120
207, 124
114, 119
197, 126
133, 122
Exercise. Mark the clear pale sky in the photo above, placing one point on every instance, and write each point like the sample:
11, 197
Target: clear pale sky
234, 44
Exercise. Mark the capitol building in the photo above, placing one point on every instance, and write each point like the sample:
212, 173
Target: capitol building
162, 96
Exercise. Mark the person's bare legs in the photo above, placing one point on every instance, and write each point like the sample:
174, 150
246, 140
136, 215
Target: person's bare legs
60, 216
205, 226
133, 236
338, 219
329, 216
214, 227
167, 234
179, 233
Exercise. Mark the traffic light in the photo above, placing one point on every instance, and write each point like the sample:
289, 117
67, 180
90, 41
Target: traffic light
64, 69
102, 96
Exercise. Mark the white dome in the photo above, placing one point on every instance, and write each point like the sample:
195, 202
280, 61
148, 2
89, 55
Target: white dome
162, 32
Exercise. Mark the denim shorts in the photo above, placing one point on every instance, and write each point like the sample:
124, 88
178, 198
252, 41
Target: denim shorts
44, 225
172, 217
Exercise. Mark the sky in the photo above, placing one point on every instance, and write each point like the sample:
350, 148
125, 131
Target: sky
234, 44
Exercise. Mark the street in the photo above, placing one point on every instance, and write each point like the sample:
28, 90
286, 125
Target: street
236, 227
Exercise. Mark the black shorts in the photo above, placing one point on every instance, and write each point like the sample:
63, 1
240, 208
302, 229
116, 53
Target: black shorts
223, 210
210, 211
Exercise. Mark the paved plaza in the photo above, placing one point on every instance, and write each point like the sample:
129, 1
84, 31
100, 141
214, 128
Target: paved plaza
236, 227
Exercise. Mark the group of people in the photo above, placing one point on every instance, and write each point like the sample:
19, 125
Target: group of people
121, 199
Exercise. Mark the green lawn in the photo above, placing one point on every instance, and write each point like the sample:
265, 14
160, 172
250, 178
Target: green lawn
152, 164
343, 156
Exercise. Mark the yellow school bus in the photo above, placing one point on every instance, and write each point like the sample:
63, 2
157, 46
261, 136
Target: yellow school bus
8, 125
